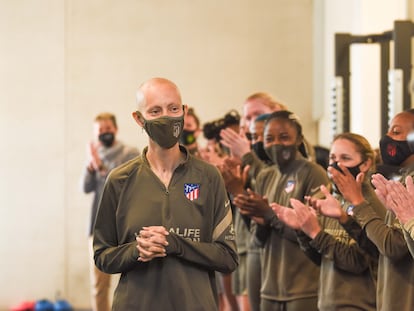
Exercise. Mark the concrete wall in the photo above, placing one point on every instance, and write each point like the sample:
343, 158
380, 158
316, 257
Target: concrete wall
33, 186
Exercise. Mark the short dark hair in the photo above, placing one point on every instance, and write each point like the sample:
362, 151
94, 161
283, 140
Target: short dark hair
289, 116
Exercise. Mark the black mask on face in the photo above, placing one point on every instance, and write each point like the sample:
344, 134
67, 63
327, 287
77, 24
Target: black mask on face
260, 151
354, 170
281, 155
394, 152
187, 137
107, 139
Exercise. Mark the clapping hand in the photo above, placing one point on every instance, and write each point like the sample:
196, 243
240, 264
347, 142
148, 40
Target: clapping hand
234, 178
252, 204
395, 196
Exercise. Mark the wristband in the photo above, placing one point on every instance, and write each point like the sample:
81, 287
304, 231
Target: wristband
350, 210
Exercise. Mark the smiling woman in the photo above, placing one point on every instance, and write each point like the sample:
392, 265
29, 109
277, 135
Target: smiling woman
291, 176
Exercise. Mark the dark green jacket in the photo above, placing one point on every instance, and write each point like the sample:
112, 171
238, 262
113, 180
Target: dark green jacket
287, 273
201, 239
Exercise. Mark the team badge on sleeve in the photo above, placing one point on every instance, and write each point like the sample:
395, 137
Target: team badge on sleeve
290, 186
192, 191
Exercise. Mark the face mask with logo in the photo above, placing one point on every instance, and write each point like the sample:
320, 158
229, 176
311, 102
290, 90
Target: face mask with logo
165, 131
107, 139
394, 152
187, 138
260, 151
281, 155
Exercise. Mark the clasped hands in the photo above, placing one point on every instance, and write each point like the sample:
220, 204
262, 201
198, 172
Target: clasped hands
151, 243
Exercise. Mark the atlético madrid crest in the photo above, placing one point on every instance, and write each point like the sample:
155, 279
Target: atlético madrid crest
192, 191
290, 186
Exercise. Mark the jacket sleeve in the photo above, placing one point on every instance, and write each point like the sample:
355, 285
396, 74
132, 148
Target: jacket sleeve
388, 237
220, 252
279, 226
109, 255
308, 249
347, 256
356, 232
409, 235
89, 181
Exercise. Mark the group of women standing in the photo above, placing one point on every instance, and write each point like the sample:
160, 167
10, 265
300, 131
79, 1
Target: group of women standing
327, 240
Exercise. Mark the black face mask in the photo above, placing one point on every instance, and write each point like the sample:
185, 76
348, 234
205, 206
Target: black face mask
394, 152
107, 139
281, 155
187, 138
260, 151
354, 170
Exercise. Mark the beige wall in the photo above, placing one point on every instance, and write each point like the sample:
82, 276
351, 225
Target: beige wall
32, 127
62, 62
357, 18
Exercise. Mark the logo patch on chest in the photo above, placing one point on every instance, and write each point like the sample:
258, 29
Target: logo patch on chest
290, 186
192, 191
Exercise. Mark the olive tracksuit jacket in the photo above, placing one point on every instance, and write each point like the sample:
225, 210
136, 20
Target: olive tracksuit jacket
287, 272
194, 208
348, 272
395, 289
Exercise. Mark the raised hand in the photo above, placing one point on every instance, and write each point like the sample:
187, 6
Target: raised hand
95, 162
307, 218
237, 142
350, 188
400, 199
329, 206
234, 178
380, 184
252, 204
286, 214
